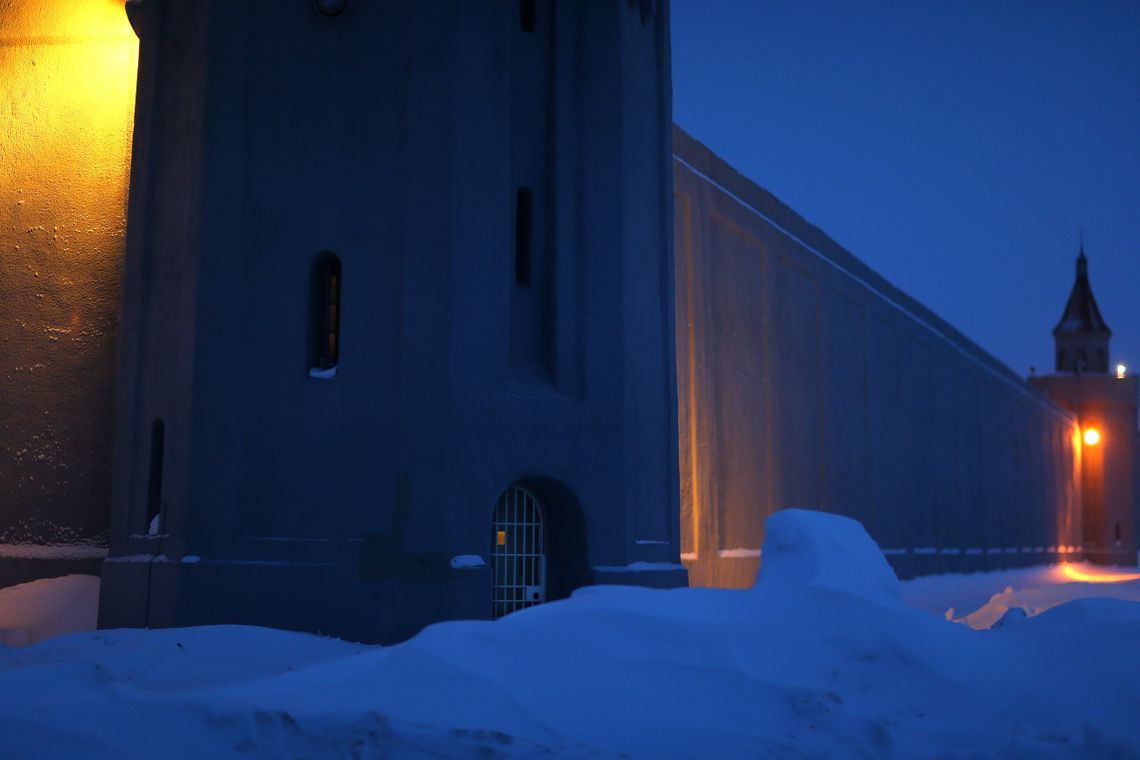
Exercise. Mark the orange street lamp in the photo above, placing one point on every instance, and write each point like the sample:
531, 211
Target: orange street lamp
1092, 437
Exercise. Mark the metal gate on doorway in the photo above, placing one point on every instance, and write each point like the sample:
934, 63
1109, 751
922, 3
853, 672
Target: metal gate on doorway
518, 552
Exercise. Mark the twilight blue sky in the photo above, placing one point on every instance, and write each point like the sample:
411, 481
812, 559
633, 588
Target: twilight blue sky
957, 148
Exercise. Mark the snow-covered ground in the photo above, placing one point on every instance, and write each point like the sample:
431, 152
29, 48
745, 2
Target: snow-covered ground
824, 657
32, 612
981, 599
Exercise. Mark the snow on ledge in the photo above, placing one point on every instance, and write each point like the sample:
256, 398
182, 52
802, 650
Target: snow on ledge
468, 562
52, 551
322, 374
132, 558
738, 553
638, 567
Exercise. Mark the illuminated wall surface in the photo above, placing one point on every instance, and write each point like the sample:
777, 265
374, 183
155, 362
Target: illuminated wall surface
67, 74
1106, 405
806, 380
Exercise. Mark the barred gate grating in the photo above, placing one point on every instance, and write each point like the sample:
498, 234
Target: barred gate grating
517, 552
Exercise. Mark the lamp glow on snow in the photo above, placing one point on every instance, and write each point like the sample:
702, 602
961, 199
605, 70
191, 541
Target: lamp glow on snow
1091, 436
1121, 371
1089, 575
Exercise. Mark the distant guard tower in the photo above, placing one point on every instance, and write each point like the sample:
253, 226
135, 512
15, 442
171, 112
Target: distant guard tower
1105, 403
398, 313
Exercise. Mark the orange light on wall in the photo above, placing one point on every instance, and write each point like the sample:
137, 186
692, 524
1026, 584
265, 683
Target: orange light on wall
1092, 436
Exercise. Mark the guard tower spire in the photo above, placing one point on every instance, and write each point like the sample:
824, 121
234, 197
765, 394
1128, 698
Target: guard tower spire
1081, 335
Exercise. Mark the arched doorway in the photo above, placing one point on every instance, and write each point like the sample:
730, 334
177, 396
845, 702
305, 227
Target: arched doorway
518, 552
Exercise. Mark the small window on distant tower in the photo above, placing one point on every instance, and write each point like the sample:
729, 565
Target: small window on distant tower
326, 315
1101, 361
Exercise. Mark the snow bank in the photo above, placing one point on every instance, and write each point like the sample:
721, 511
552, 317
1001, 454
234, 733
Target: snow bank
821, 658
804, 547
32, 612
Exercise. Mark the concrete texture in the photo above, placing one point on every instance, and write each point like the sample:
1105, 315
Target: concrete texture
396, 136
67, 75
807, 380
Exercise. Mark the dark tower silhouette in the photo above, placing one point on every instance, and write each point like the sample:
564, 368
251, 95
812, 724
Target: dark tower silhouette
1082, 335
397, 341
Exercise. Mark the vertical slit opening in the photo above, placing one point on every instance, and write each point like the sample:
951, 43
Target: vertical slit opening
528, 13
524, 230
327, 280
154, 486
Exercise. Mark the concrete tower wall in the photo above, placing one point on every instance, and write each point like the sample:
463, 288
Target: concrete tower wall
397, 136
67, 78
807, 380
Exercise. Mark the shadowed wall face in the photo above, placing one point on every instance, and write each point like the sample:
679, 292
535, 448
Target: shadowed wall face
67, 77
503, 309
806, 380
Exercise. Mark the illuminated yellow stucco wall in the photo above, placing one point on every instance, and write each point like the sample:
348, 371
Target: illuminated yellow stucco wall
67, 79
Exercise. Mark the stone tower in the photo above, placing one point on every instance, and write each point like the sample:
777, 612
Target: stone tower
1081, 335
398, 313
1106, 407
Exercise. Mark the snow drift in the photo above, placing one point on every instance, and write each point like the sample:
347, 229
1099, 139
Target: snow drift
821, 657
32, 612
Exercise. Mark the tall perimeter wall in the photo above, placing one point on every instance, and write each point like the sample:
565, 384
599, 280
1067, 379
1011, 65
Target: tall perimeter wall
807, 380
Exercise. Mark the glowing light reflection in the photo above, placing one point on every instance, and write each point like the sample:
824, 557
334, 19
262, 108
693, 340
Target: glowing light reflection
1092, 437
1088, 575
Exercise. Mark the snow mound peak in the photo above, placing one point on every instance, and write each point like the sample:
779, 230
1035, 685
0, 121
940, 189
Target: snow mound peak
803, 547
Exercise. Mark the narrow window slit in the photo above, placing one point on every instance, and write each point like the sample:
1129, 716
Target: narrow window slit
524, 230
528, 15
154, 486
326, 315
